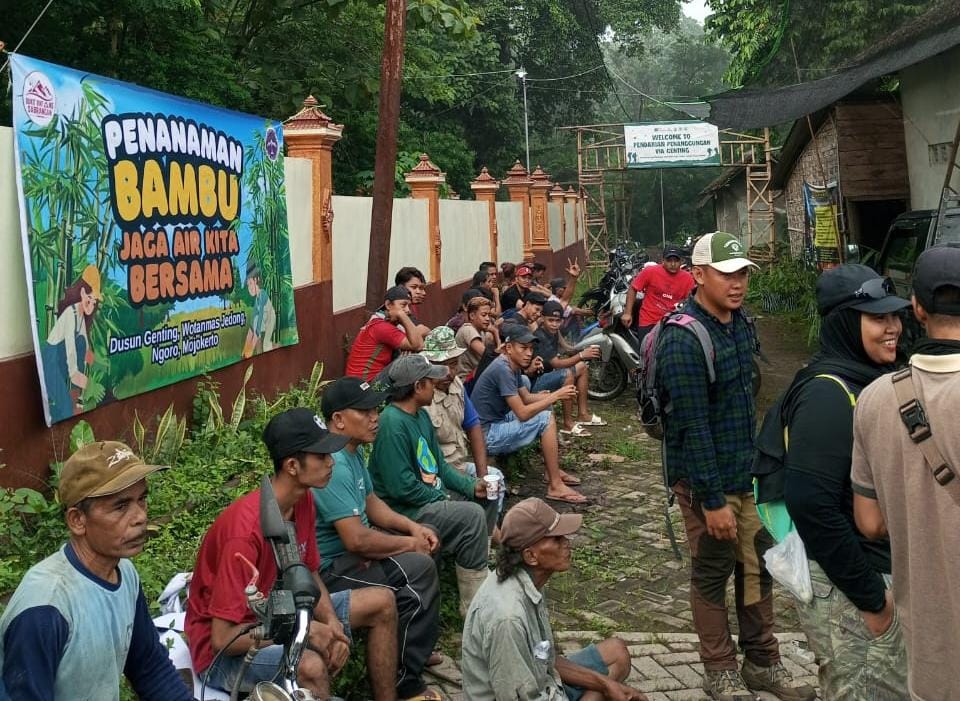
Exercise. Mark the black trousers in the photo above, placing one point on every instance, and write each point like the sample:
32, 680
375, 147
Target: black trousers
413, 579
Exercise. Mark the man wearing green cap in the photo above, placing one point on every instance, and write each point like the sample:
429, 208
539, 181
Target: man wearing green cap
79, 620
708, 452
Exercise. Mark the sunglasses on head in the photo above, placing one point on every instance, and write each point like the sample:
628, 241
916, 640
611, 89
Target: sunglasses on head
876, 288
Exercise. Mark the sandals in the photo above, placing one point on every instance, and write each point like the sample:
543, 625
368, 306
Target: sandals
594, 421
578, 431
434, 659
567, 479
574, 498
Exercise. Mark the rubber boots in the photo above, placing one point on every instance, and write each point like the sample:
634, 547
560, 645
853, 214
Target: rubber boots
468, 582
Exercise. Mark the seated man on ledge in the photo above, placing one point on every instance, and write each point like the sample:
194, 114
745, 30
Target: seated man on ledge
513, 417
508, 648
217, 611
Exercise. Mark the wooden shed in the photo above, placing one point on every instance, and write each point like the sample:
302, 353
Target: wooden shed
859, 145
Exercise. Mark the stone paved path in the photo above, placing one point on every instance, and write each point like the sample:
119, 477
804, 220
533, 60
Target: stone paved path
625, 579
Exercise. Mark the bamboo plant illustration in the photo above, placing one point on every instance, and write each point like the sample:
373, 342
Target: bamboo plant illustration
263, 179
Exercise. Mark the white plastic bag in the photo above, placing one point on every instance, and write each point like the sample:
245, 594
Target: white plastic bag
787, 563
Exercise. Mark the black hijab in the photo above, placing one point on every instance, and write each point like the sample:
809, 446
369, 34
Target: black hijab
842, 352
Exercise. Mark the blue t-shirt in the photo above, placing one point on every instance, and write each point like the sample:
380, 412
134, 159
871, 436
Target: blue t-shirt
67, 634
470, 416
345, 496
497, 382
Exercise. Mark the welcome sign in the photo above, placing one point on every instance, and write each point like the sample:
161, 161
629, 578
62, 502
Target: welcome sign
155, 235
671, 144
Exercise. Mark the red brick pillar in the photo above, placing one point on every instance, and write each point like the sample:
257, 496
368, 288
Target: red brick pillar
518, 185
485, 188
424, 181
311, 134
540, 240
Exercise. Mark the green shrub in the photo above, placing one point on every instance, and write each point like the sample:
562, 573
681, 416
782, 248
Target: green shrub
787, 286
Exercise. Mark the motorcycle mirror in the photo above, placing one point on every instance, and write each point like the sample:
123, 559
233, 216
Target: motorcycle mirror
271, 520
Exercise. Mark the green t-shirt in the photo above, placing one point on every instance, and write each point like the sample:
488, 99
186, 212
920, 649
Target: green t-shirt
344, 496
407, 465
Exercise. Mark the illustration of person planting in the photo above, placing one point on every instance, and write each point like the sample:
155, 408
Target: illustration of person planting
67, 352
264, 321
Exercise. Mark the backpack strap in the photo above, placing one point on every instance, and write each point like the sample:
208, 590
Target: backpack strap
914, 418
703, 336
850, 395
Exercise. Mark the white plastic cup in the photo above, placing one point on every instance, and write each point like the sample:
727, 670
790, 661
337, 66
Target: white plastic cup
493, 487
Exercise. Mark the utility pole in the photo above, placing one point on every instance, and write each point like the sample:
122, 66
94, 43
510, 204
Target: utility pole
522, 75
663, 214
391, 77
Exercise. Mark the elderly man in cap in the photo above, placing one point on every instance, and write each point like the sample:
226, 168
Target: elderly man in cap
455, 418
79, 620
906, 456
663, 287
512, 417
708, 452
365, 543
217, 611
411, 475
508, 647
388, 330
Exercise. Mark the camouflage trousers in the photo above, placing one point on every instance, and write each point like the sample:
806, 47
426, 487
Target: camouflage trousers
854, 666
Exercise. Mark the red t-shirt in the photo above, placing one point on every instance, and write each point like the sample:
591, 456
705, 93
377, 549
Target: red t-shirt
661, 292
219, 578
376, 332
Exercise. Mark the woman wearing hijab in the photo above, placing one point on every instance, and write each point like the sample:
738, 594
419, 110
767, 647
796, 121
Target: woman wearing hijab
67, 351
850, 624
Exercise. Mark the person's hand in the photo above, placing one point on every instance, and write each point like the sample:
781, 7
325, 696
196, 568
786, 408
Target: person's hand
320, 637
615, 691
480, 490
721, 523
591, 353
879, 623
536, 366
565, 392
573, 268
626, 319
425, 539
79, 379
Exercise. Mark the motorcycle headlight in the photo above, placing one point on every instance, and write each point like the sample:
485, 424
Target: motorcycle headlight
268, 691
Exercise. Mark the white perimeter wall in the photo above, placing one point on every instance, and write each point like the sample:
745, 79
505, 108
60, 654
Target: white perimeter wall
930, 93
298, 175
351, 245
556, 230
510, 232
570, 218
465, 232
16, 335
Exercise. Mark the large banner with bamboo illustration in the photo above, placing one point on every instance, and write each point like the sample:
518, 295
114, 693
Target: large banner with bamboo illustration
155, 235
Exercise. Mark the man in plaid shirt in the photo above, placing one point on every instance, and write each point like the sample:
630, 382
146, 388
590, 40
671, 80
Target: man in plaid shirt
709, 442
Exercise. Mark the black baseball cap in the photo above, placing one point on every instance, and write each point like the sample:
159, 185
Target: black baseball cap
397, 292
937, 267
534, 298
855, 286
471, 294
350, 393
517, 333
672, 252
558, 283
300, 431
553, 308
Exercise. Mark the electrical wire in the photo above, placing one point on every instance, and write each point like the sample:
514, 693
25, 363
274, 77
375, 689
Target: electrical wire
651, 97
24, 38
243, 631
459, 75
566, 77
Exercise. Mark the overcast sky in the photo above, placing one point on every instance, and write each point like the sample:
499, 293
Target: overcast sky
697, 9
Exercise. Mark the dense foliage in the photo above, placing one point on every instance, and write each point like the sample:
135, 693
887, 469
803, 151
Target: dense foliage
762, 35
461, 100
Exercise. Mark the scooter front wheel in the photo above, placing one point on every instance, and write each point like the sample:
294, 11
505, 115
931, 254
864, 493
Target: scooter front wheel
607, 380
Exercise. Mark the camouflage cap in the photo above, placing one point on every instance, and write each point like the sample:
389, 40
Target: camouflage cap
440, 345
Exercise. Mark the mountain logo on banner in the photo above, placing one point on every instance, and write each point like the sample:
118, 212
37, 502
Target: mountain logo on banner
39, 99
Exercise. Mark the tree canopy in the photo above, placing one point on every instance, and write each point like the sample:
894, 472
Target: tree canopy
461, 99
762, 35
